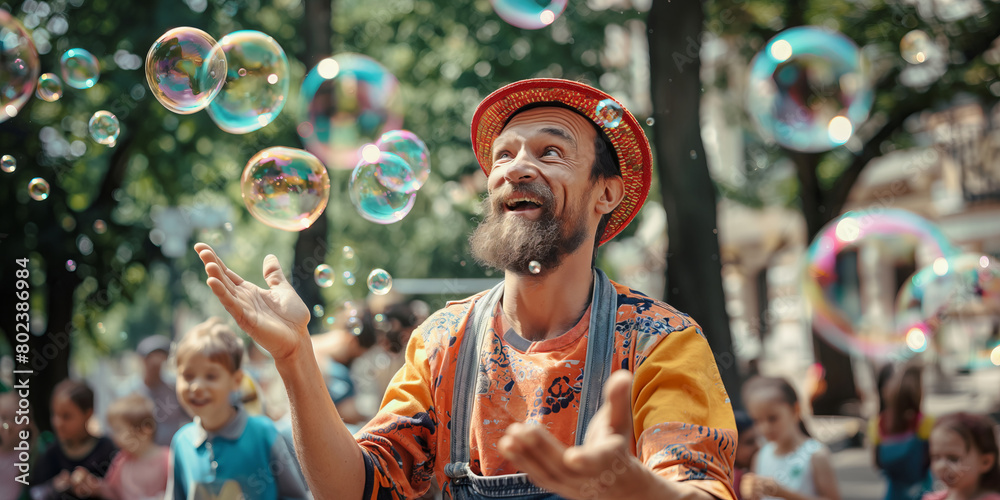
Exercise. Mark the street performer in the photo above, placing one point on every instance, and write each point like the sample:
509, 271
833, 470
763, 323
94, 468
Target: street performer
557, 383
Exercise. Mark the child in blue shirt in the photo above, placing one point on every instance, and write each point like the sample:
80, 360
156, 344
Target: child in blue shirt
225, 452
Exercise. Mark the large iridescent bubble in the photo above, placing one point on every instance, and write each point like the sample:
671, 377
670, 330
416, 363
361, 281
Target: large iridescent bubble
257, 82
285, 188
373, 199
18, 66
830, 281
411, 149
350, 100
185, 69
529, 14
80, 69
947, 299
809, 89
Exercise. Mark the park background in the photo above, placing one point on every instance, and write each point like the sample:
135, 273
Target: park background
723, 235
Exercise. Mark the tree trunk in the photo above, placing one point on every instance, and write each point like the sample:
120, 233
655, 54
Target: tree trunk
840, 386
694, 272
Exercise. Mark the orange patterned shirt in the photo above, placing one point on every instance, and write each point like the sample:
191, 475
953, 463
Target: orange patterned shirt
683, 422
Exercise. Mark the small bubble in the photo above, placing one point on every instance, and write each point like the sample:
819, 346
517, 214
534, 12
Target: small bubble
694, 155
38, 189
318, 310
534, 267
323, 274
71, 265
8, 163
650, 121
379, 281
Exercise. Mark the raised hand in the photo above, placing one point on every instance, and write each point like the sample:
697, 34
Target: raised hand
602, 467
276, 318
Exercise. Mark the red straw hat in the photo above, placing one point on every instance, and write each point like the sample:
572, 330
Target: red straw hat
627, 137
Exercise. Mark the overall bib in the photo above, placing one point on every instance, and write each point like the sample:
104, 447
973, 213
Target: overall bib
467, 485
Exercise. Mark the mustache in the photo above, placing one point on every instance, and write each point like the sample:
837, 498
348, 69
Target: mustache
497, 199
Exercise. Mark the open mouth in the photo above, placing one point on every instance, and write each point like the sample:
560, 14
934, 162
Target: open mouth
197, 402
522, 204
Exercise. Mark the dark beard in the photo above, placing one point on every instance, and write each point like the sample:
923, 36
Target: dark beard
509, 242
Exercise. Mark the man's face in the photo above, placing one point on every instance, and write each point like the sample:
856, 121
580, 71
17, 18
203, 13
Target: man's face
541, 198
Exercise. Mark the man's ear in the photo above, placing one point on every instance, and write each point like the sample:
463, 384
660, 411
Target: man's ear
612, 192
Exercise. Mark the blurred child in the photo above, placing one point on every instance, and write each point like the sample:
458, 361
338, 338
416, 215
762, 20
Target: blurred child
899, 437
964, 455
62, 470
13, 428
225, 452
167, 409
746, 449
139, 470
791, 465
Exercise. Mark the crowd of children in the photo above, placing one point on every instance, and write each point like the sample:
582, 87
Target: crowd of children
221, 430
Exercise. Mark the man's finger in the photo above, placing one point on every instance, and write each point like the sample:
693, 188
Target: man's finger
540, 450
618, 397
207, 255
272, 271
611, 453
214, 271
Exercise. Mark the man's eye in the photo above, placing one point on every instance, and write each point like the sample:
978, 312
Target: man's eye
550, 152
503, 155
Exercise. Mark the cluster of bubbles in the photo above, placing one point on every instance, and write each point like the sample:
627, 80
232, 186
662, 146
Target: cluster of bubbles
104, 127
349, 100
384, 183
834, 304
529, 14
379, 282
809, 89
285, 188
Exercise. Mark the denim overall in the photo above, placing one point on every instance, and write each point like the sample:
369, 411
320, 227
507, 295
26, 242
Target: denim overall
467, 485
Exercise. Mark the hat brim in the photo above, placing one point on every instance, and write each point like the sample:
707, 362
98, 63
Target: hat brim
627, 137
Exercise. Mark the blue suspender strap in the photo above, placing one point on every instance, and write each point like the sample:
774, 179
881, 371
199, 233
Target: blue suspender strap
466, 375
597, 367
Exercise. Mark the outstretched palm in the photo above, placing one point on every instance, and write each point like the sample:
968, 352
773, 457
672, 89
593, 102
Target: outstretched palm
276, 318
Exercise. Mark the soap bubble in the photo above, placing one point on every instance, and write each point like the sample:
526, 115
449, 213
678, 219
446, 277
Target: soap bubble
374, 200
534, 267
100, 227
323, 274
18, 66
38, 189
650, 121
256, 85
609, 113
946, 298
185, 69
49, 87
915, 47
285, 188
348, 259
830, 279
318, 311
350, 100
529, 14
809, 89
412, 150
8, 163
104, 127
349, 278
80, 68
379, 282
71, 265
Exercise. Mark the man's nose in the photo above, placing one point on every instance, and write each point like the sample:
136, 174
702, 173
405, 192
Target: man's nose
521, 169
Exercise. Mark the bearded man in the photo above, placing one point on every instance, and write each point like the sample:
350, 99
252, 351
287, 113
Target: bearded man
501, 393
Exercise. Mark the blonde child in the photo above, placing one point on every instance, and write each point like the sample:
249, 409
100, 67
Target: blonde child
225, 452
964, 455
139, 470
62, 470
791, 465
